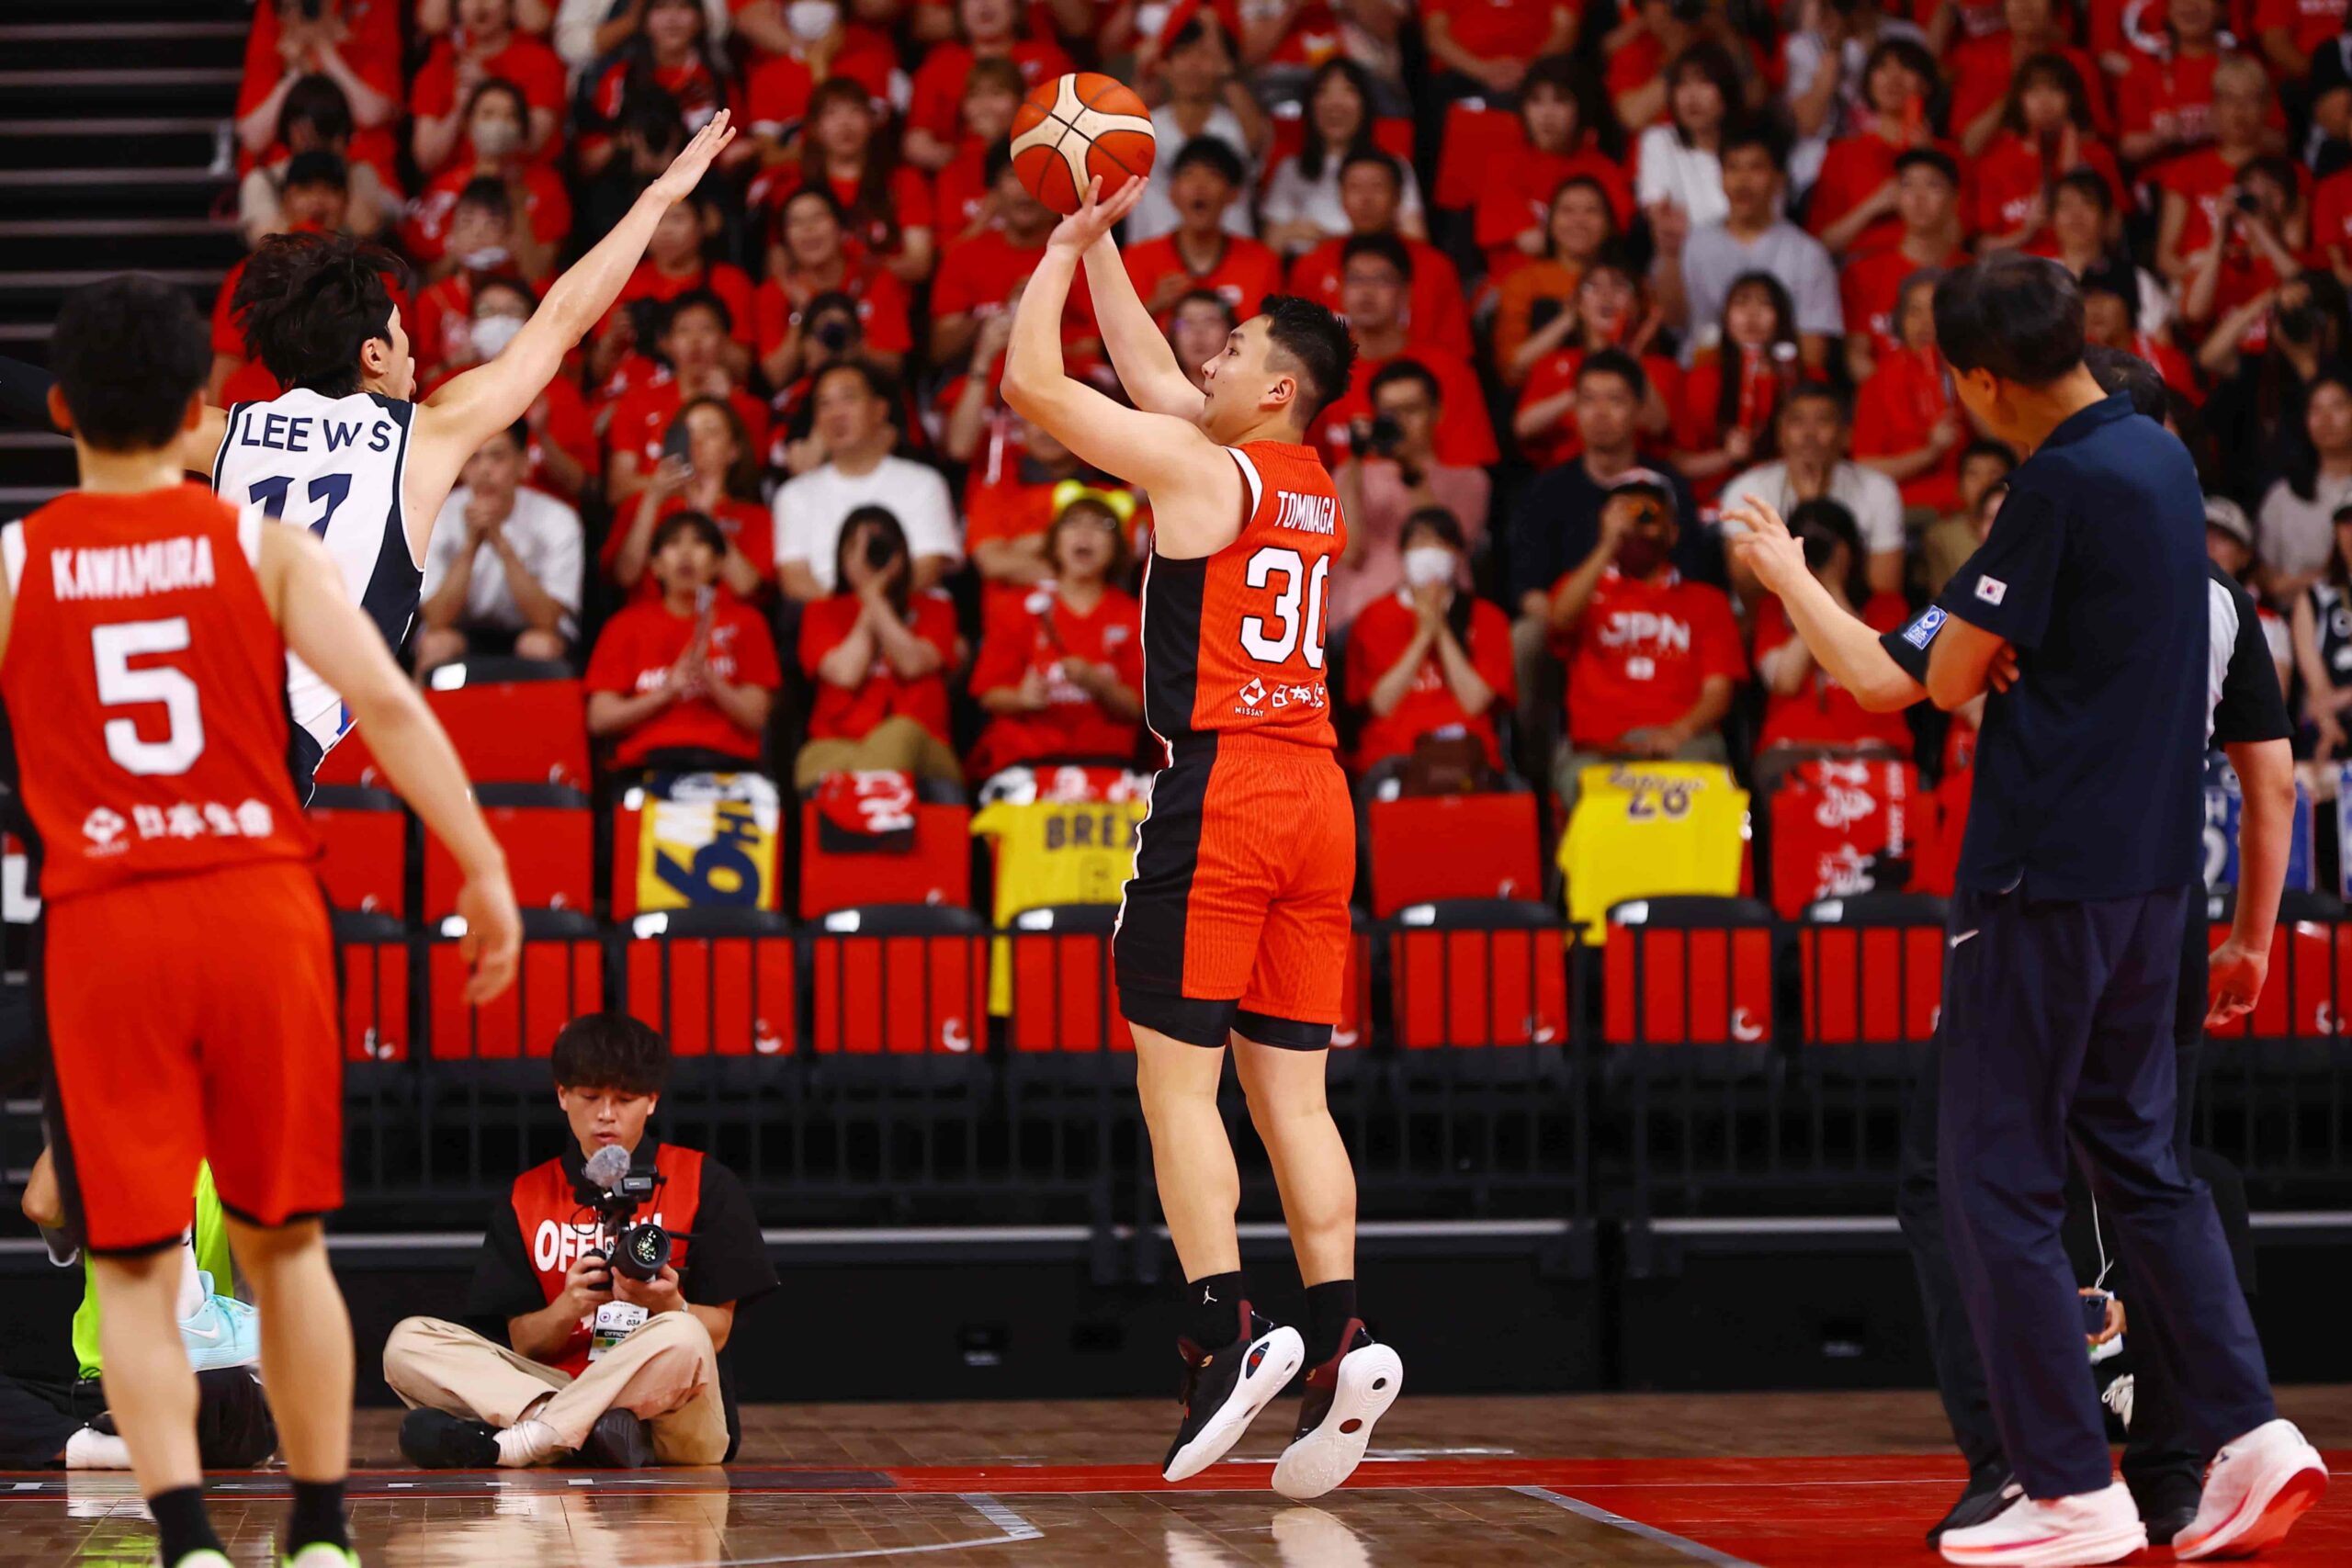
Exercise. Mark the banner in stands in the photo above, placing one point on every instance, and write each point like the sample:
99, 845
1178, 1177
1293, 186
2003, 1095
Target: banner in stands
707, 841
1844, 828
2224, 803
1052, 852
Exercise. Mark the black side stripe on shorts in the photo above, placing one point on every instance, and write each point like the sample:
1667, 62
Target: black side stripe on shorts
1149, 949
1172, 595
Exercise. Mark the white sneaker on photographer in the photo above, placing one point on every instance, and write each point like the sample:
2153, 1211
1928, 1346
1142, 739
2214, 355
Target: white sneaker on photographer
2056, 1532
2255, 1490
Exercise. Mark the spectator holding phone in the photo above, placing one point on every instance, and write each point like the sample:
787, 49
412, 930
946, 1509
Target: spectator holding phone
684, 681
878, 652
707, 466
1392, 473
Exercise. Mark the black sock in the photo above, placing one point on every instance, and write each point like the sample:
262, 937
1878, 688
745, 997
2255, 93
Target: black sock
1328, 1307
1212, 1311
318, 1516
181, 1524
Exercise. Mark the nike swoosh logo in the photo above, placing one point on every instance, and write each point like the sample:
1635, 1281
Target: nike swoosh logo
216, 1332
1963, 937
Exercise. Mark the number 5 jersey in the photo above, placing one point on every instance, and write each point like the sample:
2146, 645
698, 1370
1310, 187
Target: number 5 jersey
145, 686
334, 466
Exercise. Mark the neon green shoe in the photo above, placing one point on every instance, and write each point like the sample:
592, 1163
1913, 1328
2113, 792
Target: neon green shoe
318, 1554
208, 1558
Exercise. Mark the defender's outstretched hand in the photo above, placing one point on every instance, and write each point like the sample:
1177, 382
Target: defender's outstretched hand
1768, 550
685, 171
1095, 217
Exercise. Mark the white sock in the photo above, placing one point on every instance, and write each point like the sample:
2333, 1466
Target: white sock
191, 1280
90, 1448
527, 1443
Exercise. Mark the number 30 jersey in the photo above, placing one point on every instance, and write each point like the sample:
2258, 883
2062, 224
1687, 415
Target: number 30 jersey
1233, 641
145, 687
333, 465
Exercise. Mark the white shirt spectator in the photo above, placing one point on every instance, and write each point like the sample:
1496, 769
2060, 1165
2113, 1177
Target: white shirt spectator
1875, 501
544, 532
576, 21
2293, 537
1156, 214
1690, 177
810, 510
1713, 261
1292, 197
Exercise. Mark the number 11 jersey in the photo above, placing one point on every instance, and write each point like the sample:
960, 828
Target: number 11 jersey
334, 466
1233, 641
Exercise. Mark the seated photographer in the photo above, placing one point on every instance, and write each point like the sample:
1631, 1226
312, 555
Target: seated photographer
617, 1370
46, 1424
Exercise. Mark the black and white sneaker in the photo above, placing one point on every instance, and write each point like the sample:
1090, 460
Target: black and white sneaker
435, 1439
1226, 1388
1345, 1396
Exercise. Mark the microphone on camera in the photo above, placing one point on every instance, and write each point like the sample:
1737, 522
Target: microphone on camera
605, 1167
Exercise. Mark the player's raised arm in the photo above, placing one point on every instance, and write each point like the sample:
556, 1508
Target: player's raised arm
1165, 454
1156, 383
458, 418
333, 637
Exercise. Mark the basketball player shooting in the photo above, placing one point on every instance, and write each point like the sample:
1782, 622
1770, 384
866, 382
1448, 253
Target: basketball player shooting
1235, 925
345, 452
187, 974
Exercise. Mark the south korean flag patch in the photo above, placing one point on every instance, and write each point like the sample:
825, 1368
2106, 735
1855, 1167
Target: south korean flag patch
1992, 589
1922, 632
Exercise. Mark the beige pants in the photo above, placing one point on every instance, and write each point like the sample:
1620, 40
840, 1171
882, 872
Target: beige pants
898, 744
665, 1373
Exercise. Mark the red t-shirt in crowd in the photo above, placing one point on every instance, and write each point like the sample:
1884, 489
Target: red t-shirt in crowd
642, 641
960, 191
1244, 273
1556, 373
840, 714
547, 206
1871, 286
730, 282
1039, 637
1699, 424
371, 46
699, 92
1314, 36
642, 417
1898, 407
938, 97
748, 526
865, 56
2178, 89
1465, 436
880, 298
1824, 713
1982, 69
1515, 194
1378, 637
1438, 312
2312, 22
1851, 172
2010, 176
525, 61
1496, 29
2331, 218
1642, 651
980, 273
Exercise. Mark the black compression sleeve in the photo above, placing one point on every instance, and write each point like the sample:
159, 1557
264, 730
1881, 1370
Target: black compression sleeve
24, 395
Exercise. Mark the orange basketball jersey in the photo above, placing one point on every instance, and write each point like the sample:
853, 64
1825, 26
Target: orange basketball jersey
145, 686
1233, 641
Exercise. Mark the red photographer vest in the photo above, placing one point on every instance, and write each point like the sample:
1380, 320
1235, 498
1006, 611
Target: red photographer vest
556, 1230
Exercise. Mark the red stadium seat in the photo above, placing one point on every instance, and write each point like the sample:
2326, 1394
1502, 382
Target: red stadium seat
1689, 971
937, 870
561, 976
1431, 849
548, 833
373, 953
513, 720
722, 985
2307, 993
1871, 976
350, 763
363, 844
1475, 136
1479, 973
1063, 998
901, 981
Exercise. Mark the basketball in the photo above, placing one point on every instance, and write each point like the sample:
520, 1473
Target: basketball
1077, 126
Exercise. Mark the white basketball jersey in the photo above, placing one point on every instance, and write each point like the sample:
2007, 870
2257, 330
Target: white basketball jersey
333, 465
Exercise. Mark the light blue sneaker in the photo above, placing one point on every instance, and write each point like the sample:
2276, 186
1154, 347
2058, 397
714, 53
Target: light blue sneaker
223, 1332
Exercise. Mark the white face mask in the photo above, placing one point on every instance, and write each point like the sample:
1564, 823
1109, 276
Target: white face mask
489, 258
811, 20
1424, 564
492, 334
498, 139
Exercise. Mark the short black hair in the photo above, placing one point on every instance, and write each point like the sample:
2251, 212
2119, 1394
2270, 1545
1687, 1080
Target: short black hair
1986, 447
1398, 370
1911, 54
309, 302
489, 196
821, 192
612, 1050
1436, 520
1215, 153
1313, 338
1757, 134
876, 387
697, 299
319, 102
2090, 185
1206, 296
322, 168
2018, 317
1387, 247
499, 281
695, 523
1618, 363
503, 86
128, 353
1379, 159
1934, 158
2118, 370
1818, 393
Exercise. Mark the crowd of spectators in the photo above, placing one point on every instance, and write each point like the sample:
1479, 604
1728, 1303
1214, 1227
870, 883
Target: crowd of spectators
1608, 269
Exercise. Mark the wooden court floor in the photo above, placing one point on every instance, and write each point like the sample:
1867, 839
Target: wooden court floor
1743, 1480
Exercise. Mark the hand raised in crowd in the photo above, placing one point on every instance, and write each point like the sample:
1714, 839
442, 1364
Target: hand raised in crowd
657, 1295
996, 333
1036, 694
669, 477
482, 521
1428, 605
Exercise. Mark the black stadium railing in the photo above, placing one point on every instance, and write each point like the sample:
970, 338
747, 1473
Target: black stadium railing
1699, 1057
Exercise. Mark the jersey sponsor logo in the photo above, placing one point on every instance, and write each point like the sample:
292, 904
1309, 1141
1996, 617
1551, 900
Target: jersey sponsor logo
1305, 514
132, 572
1992, 589
1922, 632
102, 826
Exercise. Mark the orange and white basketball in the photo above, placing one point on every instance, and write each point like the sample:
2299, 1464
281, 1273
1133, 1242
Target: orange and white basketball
1074, 128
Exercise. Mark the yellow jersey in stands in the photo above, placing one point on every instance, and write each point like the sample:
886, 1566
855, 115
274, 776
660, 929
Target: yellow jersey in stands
1054, 852
1650, 829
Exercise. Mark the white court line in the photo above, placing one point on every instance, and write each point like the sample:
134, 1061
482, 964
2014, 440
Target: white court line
1599, 1515
1013, 1527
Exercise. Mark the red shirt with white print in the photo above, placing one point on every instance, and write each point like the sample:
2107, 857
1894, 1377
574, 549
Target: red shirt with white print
642, 641
1642, 652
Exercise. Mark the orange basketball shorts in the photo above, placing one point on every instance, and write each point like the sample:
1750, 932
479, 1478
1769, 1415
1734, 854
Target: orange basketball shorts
1236, 918
193, 1017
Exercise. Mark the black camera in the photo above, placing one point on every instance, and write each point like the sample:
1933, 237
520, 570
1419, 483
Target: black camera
1382, 436
2247, 201
835, 334
635, 1251
879, 550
